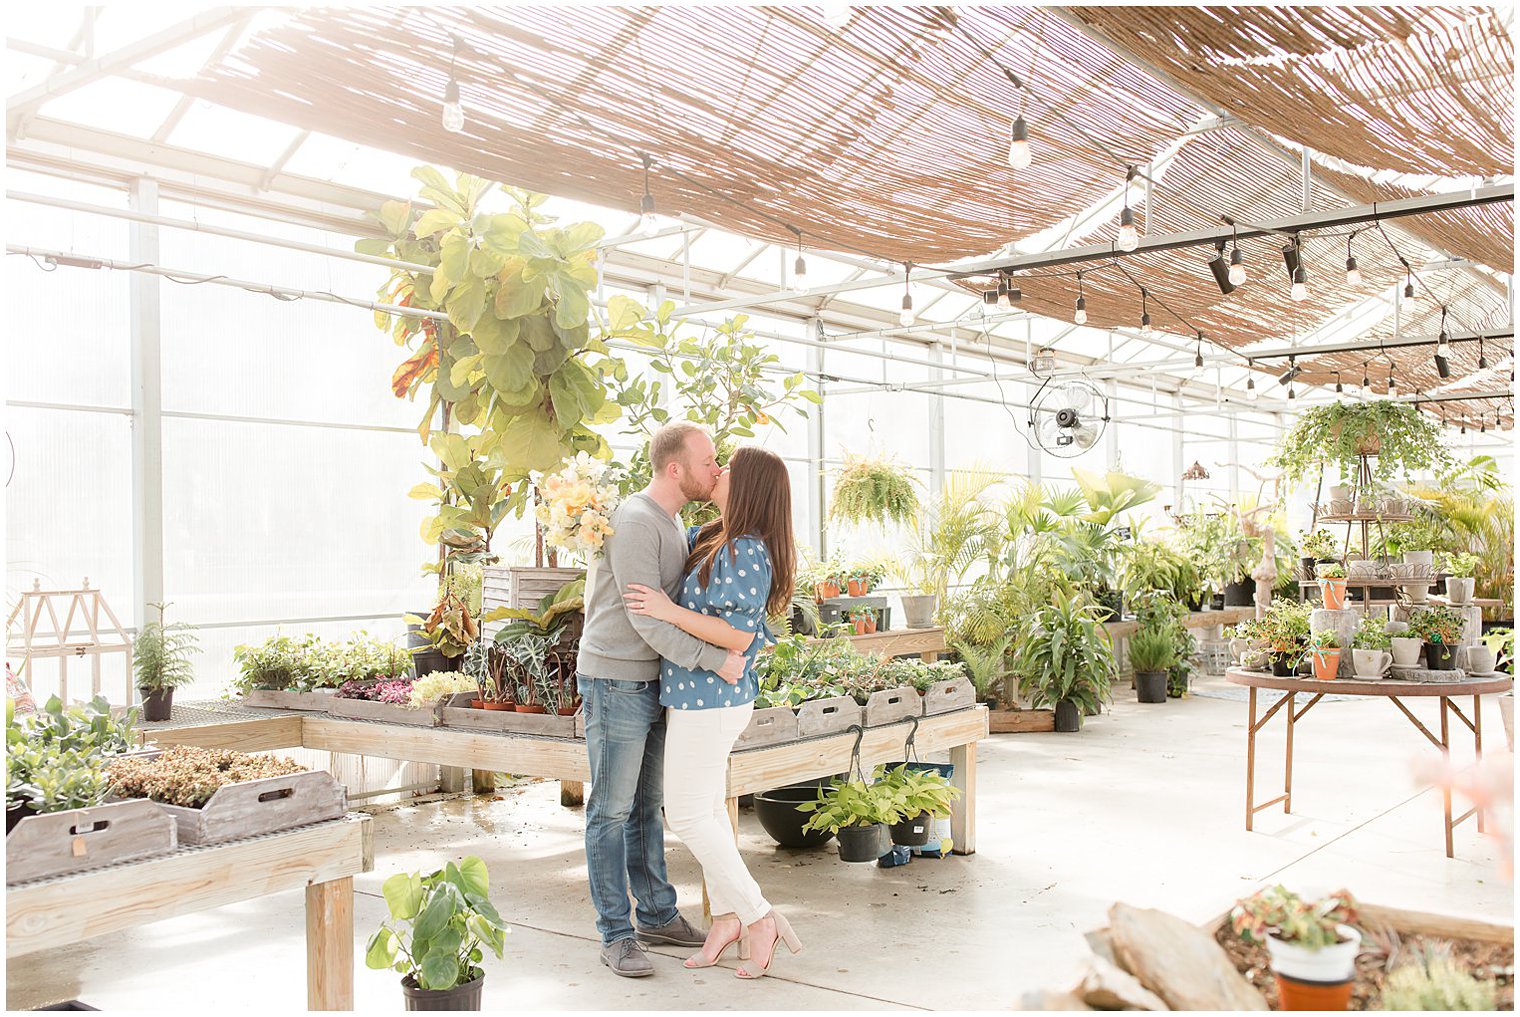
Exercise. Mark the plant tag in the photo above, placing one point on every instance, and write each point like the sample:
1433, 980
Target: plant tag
79, 847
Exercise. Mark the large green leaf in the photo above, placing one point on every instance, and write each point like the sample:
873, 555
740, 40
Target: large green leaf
573, 306
576, 392
579, 238
467, 303
403, 895
493, 335
516, 297
532, 443
439, 909
435, 221
538, 333
473, 876
381, 952
438, 970
394, 216
510, 372
623, 312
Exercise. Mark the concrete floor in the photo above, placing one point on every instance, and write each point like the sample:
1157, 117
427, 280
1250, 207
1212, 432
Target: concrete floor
1144, 806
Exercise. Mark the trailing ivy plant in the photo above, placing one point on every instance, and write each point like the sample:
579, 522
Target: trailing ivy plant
1404, 441
874, 490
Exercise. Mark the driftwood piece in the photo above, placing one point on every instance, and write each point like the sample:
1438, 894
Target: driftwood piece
57, 843
1178, 962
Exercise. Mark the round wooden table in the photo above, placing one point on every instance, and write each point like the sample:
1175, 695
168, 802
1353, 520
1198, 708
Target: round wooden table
1393, 691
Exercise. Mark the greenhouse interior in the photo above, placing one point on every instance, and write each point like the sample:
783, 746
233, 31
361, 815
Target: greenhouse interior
581, 491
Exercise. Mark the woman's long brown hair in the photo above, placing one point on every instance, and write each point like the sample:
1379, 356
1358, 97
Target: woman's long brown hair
759, 505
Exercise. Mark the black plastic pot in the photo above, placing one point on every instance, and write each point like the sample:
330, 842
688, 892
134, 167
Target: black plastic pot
1068, 717
1440, 657
862, 843
430, 660
1280, 666
1216, 603
16, 815
1241, 593
914, 831
1150, 686
1110, 605
1195, 602
460, 997
157, 705
777, 812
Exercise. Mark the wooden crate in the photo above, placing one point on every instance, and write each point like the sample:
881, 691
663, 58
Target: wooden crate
948, 696
769, 726
827, 716
317, 700
253, 807
516, 586
457, 712
1020, 721
364, 709
59, 843
891, 705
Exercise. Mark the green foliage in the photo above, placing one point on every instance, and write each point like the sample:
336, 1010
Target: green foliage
1151, 566
1474, 513
1152, 649
1215, 543
1337, 434
1502, 642
874, 490
1112, 493
1436, 625
1067, 657
161, 654
441, 924
1163, 613
1435, 981
282, 662
1279, 912
1286, 628
917, 791
1371, 635
56, 758
1335, 570
797, 670
1462, 566
1423, 534
1323, 640
1318, 544
850, 803
954, 532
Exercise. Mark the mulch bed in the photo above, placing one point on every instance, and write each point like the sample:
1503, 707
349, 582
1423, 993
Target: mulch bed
1484, 960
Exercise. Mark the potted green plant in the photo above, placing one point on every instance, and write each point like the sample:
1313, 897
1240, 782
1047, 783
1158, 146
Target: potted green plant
874, 489
1370, 649
1317, 547
1440, 629
1332, 585
1397, 437
1286, 629
1325, 655
1066, 661
1152, 652
855, 812
921, 794
1154, 567
1460, 582
56, 758
1312, 944
161, 659
1500, 643
442, 922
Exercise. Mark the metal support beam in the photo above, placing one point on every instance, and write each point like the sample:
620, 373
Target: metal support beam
187, 101
147, 410
817, 496
936, 427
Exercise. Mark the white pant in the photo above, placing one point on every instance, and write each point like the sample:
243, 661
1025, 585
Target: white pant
697, 744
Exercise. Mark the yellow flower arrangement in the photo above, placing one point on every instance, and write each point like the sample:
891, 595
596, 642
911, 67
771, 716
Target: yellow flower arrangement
576, 506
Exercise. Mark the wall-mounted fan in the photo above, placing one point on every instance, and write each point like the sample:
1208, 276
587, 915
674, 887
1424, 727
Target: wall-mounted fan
1067, 418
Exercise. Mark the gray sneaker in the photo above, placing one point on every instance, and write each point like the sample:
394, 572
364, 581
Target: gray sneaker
627, 957
679, 932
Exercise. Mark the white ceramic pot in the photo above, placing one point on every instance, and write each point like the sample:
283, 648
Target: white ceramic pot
1480, 660
1333, 964
1406, 652
1340, 492
1418, 591
1459, 591
1420, 558
1370, 663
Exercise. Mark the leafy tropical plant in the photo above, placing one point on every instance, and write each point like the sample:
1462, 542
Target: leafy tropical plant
1112, 493
1462, 566
917, 791
435, 685
1318, 544
1502, 642
955, 531
1286, 628
161, 654
1436, 625
851, 803
1371, 635
441, 924
1324, 640
1334, 570
1277, 911
873, 489
1067, 657
1403, 439
1149, 565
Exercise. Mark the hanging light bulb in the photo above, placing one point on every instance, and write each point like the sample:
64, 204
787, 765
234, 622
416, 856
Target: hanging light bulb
1237, 266
1251, 389
1129, 239
836, 16
1145, 312
1366, 385
906, 317
1409, 286
1080, 317
1464, 427
1393, 384
799, 267
1353, 273
646, 203
1198, 353
1018, 147
1339, 388
1483, 426
453, 111
1482, 360
1291, 393
1443, 349
1300, 289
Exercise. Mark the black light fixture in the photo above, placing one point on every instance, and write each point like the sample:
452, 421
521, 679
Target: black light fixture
646, 203
1339, 388
1018, 146
1251, 380
1080, 317
1291, 257
1443, 349
1291, 393
1145, 312
1198, 354
1482, 359
1408, 284
990, 297
1293, 371
1393, 384
906, 317
1221, 270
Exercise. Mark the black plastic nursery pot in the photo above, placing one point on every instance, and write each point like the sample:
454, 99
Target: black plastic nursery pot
862, 843
1241, 593
913, 831
1068, 717
777, 812
1440, 657
460, 997
1216, 603
430, 660
157, 705
1281, 666
1110, 605
1150, 686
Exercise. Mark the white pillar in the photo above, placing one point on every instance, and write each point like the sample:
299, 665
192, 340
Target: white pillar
817, 495
147, 409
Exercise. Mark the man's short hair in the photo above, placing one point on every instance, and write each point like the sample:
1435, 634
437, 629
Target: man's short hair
669, 443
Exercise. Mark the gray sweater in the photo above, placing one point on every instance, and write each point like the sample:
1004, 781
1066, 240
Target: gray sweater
647, 546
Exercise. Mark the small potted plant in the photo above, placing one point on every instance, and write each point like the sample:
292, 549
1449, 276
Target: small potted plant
1286, 629
1460, 582
1312, 944
1152, 652
444, 923
864, 620
1440, 629
922, 794
1317, 547
857, 813
1332, 585
1370, 649
1325, 655
161, 659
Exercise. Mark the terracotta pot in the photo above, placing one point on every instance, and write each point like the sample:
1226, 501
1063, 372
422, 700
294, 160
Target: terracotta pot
530, 708
1327, 664
566, 711
859, 587
477, 704
493, 705
826, 591
1333, 594
860, 626
1315, 979
870, 623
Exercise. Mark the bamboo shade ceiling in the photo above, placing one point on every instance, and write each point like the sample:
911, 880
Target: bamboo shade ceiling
889, 136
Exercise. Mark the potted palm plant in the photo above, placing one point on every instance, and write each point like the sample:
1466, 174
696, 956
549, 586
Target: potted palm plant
161, 660
443, 924
1152, 652
1066, 661
1312, 944
1440, 629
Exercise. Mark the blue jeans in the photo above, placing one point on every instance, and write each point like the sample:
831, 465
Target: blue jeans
625, 841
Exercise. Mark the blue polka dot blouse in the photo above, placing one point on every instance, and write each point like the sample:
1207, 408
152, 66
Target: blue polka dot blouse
739, 587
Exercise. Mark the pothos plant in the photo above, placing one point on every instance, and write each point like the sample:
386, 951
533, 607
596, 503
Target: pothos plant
1398, 436
444, 923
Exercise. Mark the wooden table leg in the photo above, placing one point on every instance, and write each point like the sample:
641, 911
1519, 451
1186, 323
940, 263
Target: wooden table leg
483, 782
1288, 758
572, 794
1446, 784
1250, 756
1477, 725
963, 812
330, 945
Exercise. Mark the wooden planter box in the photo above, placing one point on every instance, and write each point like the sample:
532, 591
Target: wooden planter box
365, 709
769, 726
59, 843
457, 712
253, 807
891, 705
827, 716
515, 586
949, 696
317, 701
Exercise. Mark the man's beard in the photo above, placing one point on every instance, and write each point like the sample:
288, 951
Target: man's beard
691, 490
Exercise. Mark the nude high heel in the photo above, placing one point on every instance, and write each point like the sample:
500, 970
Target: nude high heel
699, 959
784, 934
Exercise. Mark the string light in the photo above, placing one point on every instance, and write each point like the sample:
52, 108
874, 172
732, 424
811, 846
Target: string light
1018, 147
1366, 382
1353, 273
646, 203
1393, 384
1482, 359
1237, 262
1300, 290
1443, 349
1198, 354
1251, 389
1145, 312
799, 268
906, 317
1339, 388
1080, 317
1129, 238
1408, 282
453, 110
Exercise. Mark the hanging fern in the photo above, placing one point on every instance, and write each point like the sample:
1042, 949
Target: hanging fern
873, 490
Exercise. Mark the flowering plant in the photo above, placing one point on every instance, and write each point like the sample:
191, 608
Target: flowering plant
576, 505
1277, 911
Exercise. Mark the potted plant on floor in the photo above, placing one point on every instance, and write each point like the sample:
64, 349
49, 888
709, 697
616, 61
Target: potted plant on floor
1460, 581
1152, 652
1312, 944
855, 812
1067, 661
161, 659
921, 794
1325, 655
1332, 585
444, 923
1440, 629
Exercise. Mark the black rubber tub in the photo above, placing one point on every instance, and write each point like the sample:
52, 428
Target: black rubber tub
777, 812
